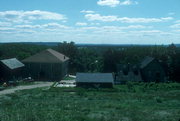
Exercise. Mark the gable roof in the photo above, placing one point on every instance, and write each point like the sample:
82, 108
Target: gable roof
47, 56
146, 61
94, 77
12, 63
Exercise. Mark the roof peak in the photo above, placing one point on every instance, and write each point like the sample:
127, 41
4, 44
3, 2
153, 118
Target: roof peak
146, 61
47, 56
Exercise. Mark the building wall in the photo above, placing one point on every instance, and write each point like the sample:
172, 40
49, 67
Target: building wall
7, 74
46, 71
153, 72
65, 68
94, 85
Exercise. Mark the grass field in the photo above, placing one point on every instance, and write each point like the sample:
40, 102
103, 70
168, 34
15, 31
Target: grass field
130, 102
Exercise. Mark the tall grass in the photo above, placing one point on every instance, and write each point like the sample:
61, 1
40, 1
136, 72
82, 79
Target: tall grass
131, 102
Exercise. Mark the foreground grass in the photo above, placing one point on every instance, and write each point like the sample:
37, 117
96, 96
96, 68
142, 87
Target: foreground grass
131, 102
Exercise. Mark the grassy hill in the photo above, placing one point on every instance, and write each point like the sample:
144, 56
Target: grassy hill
131, 102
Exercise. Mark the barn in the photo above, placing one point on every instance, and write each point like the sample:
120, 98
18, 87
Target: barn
10, 69
94, 80
48, 65
152, 70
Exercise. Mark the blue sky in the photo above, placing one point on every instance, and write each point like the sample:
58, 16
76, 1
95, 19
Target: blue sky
90, 21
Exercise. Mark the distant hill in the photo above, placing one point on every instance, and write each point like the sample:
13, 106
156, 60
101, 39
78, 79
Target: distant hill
43, 43
177, 45
89, 45
38, 43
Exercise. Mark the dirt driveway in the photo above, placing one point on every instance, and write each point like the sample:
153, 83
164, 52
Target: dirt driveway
12, 90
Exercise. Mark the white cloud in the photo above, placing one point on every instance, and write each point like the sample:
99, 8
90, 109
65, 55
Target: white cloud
5, 24
104, 30
54, 26
26, 16
114, 3
111, 3
178, 21
128, 2
137, 27
111, 18
28, 26
147, 31
6, 29
93, 17
81, 24
94, 24
175, 25
178, 31
87, 11
138, 34
49, 27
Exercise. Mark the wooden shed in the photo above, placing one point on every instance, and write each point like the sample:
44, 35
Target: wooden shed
48, 65
94, 80
152, 70
10, 69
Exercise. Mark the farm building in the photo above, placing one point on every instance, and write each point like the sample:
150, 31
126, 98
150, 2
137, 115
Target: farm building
48, 65
10, 69
94, 80
127, 73
151, 70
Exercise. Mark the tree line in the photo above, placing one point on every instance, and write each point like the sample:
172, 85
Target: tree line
101, 58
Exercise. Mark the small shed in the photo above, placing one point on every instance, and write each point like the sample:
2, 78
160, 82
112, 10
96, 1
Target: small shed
152, 70
95, 80
10, 69
48, 65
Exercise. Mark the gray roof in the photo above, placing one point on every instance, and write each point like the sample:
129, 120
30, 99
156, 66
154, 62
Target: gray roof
47, 56
146, 61
94, 77
12, 63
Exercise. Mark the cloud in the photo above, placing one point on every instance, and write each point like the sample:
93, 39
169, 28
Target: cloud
94, 24
106, 30
175, 25
112, 18
114, 3
54, 26
5, 24
99, 34
49, 27
28, 26
98, 17
27, 16
128, 2
177, 31
6, 29
137, 27
178, 21
111, 3
81, 24
87, 11
147, 31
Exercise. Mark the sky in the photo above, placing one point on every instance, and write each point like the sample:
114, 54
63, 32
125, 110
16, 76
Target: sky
90, 21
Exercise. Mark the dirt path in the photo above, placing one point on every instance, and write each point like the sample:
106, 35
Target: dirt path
9, 91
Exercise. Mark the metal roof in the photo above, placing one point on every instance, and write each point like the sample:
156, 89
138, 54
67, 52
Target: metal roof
47, 56
94, 77
12, 63
146, 61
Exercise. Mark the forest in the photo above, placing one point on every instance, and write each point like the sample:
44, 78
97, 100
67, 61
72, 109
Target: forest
101, 58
